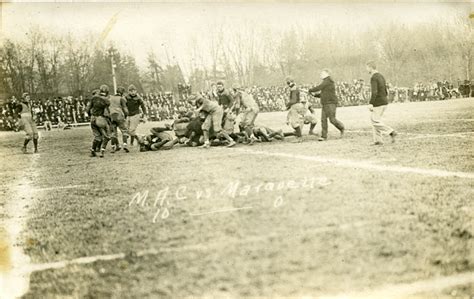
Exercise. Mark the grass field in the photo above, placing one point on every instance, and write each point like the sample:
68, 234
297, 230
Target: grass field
315, 219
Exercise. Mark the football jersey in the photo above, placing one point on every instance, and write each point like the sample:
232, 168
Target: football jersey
116, 105
247, 101
209, 106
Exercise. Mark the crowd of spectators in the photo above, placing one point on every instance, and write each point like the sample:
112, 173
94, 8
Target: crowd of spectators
69, 111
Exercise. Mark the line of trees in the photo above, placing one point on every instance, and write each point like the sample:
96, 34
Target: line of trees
440, 50
48, 65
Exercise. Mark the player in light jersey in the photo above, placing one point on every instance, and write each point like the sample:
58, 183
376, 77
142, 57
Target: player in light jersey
213, 120
118, 114
245, 103
28, 122
310, 116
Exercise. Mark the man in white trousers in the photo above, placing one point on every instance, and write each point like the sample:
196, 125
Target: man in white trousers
378, 104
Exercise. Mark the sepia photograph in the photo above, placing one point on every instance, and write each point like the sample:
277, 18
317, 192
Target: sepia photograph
251, 149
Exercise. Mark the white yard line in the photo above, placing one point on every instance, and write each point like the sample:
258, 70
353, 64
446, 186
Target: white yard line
15, 282
206, 246
220, 211
422, 135
61, 187
456, 134
405, 290
362, 164
78, 261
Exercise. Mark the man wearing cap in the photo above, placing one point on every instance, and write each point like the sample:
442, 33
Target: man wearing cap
118, 114
250, 110
28, 122
213, 120
97, 108
134, 103
377, 105
295, 117
327, 90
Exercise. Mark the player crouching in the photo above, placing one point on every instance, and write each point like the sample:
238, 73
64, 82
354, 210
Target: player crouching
213, 120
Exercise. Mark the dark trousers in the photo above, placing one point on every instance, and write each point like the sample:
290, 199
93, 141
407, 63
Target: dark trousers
329, 111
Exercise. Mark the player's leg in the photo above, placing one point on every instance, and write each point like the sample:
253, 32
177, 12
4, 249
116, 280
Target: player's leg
265, 134
376, 119
217, 126
124, 129
250, 117
97, 137
104, 128
28, 131
132, 129
35, 136
114, 134
206, 126
312, 120
324, 123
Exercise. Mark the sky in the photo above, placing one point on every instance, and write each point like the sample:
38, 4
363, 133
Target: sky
167, 27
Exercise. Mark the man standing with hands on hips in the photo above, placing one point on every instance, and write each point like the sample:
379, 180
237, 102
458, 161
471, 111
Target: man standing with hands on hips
378, 104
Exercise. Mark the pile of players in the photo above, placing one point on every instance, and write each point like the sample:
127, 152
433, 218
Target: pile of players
213, 122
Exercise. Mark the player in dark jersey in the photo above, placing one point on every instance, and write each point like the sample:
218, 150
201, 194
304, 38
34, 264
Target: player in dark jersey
295, 117
98, 111
134, 103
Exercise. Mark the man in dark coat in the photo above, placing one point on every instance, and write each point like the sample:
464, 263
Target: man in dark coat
327, 90
378, 104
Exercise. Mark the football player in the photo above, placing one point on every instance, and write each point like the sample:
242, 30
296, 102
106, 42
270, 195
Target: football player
134, 103
97, 108
213, 120
295, 117
118, 114
245, 103
266, 134
310, 116
160, 138
27, 122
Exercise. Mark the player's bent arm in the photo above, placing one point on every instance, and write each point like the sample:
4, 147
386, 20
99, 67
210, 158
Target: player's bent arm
123, 103
319, 87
